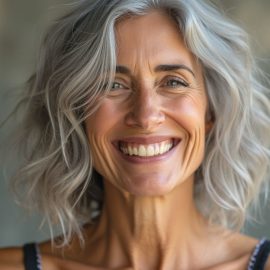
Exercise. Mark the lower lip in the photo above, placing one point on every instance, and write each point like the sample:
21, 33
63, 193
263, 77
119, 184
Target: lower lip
143, 160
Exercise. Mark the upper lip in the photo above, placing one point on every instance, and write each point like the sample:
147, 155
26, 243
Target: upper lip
146, 140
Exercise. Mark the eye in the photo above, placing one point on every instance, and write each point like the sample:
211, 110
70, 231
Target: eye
117, 85
176, 82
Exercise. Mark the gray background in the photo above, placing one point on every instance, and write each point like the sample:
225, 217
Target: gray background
22, 23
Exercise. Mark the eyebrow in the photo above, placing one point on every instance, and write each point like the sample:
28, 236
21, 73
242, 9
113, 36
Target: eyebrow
160, 68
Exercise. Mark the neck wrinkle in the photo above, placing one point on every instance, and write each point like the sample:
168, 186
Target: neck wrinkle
146, 232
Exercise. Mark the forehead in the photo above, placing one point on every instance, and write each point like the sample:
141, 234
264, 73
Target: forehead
154, 35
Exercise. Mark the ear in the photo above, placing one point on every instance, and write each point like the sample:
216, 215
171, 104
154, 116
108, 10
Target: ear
209, 121
208, 126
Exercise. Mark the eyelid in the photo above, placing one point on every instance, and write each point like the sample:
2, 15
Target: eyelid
113, 83
184, 82
122, 86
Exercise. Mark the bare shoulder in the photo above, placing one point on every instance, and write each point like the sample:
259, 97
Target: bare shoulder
244, 246
243, 243
73, 255
248, 245
11, 259
73, 250
234, 245
55, 256
234, 251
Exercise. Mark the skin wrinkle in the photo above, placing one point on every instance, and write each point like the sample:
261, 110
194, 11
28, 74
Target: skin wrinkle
149, 218
192, 137
145, 105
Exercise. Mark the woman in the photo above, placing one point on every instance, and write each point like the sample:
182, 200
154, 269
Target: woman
147, 140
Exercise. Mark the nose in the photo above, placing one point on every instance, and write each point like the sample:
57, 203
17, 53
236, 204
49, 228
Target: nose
145, 111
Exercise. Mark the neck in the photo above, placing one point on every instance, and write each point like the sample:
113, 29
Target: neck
148, 232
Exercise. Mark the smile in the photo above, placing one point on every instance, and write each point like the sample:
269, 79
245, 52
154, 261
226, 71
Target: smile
146, 149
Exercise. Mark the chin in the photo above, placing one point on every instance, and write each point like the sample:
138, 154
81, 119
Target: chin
142, 187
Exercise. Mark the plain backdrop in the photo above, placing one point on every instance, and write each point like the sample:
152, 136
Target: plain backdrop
21, 26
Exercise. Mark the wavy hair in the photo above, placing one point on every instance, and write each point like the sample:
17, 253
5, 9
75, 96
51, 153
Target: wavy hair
76, 65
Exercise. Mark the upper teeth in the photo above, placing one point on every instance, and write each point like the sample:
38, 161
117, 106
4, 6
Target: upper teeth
148, 150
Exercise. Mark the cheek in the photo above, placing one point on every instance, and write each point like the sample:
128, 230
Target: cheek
100, 146
100, 128
189, 112
103, 119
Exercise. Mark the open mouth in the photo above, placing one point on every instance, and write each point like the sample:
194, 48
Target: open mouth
147, 150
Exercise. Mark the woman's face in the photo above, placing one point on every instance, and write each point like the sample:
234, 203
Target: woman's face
148, 134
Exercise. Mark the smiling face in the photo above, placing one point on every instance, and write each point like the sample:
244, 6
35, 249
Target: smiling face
148, 135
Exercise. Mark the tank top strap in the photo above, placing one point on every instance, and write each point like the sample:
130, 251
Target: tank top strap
259, 255
31, 257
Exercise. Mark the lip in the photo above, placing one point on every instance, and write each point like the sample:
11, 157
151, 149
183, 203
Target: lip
145, 141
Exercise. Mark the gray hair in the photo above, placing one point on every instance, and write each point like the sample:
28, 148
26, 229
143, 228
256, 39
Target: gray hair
69, 84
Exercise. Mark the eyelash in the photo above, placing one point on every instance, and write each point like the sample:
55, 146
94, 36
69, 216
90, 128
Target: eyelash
180, 83
122, 86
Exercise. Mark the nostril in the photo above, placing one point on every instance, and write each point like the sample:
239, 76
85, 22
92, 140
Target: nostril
145, 118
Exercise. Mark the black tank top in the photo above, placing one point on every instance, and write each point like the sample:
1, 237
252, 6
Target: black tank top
32, 259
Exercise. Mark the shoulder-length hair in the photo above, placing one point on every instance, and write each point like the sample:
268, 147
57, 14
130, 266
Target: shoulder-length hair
69, 83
